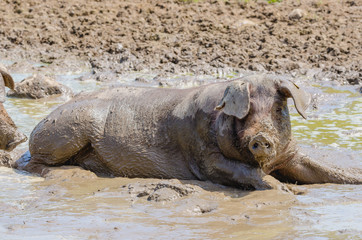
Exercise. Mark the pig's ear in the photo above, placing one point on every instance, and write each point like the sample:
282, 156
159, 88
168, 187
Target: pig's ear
301, 98
5, 81
236, 100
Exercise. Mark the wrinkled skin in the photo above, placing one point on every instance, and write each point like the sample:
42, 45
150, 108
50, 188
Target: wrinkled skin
10, 137
234, 133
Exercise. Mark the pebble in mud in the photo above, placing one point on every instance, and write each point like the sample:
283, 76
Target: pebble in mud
141, 80
296, 14
203, 207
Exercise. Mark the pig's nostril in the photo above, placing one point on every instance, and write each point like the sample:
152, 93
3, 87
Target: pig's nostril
255, 146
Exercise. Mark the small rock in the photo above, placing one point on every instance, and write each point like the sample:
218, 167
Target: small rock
163, 84
105, 77
296, 14
247, 22
354, 77
203, 208
141, 80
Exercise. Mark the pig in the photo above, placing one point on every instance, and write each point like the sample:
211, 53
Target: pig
10, 137
235, 133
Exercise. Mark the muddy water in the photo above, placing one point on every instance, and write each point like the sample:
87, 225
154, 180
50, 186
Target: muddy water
74, 204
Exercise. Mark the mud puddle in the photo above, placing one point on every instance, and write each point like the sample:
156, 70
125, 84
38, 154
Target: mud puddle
74, 204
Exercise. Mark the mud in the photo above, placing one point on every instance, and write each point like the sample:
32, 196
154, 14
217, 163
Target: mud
107, 41
92, 208
39, 86
313, 38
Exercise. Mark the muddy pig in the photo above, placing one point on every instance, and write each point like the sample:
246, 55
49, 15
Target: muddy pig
10, 137
235, 133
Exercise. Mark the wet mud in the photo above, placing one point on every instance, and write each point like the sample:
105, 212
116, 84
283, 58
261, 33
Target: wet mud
135, 208
88, 45
72, 204
69, 202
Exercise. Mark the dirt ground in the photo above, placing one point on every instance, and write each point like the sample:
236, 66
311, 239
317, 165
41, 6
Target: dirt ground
199, 37
319, 39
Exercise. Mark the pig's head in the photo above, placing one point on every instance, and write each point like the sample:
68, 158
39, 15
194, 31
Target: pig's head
10, 137
254, 124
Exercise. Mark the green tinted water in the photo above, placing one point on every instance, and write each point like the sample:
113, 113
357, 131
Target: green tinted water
339, 127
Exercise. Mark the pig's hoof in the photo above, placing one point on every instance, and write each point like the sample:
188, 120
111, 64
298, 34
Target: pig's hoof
272, 183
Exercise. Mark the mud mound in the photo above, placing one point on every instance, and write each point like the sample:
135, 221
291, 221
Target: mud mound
163, 191
39, 86
203, 37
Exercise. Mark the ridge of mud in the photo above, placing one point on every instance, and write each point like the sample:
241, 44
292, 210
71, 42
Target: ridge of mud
161, 191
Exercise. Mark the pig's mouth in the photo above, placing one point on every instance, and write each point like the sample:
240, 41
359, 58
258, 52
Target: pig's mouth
263, 149
266, 165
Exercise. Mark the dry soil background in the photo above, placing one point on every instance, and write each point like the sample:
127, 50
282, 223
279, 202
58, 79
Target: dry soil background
201, 37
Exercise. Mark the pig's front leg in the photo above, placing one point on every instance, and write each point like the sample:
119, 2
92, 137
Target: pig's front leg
232, 172
301, 169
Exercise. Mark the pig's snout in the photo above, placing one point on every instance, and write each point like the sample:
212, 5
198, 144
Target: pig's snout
261, 146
